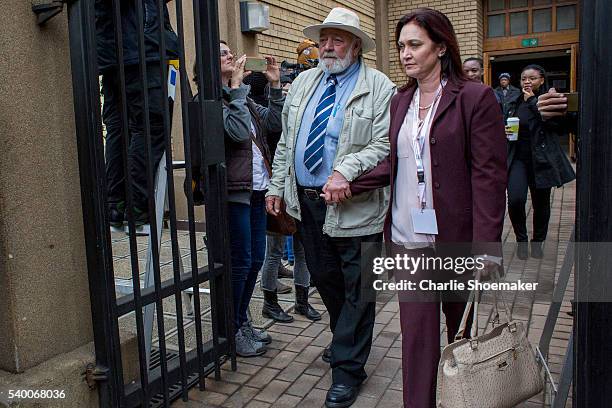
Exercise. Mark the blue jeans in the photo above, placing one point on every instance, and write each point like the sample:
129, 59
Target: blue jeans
247, 225
274, 253
288, 249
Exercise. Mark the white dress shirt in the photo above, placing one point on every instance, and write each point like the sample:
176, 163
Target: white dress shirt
406, 183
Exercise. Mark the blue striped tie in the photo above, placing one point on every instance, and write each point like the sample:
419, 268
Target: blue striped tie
313, 154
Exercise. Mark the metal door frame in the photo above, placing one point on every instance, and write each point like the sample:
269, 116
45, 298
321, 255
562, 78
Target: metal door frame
173, 377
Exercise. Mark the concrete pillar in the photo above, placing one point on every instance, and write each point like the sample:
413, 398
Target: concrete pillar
381, 8
44, 301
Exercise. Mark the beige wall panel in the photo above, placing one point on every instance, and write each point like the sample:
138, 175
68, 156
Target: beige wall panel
44, 292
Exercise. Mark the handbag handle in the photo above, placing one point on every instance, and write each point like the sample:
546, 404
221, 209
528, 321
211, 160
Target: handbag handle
474, 299
507, 311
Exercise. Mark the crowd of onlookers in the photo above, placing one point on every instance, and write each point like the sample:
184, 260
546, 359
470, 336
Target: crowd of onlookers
338, 158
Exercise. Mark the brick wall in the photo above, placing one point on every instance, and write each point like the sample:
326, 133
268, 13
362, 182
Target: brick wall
289, 17
467, 19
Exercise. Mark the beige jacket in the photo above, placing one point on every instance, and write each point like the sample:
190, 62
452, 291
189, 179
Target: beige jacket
363, 142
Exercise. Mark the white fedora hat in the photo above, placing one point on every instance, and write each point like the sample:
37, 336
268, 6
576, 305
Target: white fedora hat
341, 19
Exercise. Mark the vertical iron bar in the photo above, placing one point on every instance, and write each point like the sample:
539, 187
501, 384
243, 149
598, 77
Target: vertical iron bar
224, 249
565, 378
176, 254
213, 285
207, 45
184, 81
207, 28
142, 356
185, 92
86, 96
150, 170
227, 281
593, 320
203, 52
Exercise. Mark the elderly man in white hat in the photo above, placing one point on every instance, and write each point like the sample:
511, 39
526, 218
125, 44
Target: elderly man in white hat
335, 128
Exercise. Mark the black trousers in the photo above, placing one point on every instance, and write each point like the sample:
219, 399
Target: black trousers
335, 267
521, 178
111, 115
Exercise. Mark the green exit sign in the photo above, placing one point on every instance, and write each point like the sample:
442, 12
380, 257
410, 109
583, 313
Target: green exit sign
529, 42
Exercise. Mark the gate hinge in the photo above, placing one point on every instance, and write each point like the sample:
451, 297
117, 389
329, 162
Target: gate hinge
95, 374
45, 10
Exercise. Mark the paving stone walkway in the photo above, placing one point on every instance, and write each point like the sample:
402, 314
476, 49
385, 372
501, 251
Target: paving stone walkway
292, 374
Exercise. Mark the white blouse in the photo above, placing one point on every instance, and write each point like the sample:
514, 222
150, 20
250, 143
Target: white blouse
406, 183
261, 179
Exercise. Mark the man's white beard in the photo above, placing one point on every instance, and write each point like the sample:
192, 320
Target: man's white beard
336, 65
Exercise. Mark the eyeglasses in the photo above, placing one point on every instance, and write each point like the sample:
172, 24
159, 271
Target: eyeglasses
531, 79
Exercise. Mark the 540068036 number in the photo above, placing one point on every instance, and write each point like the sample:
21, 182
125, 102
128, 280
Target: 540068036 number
36, 394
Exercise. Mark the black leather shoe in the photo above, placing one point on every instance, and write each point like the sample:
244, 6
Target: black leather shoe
116, 214
536, 249
341, 395
326, 355
522, 250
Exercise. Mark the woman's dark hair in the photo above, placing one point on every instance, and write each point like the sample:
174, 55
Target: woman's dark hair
544, 88
195, 67
440, 31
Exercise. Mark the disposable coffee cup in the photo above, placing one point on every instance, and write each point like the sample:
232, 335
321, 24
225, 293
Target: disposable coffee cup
512, 129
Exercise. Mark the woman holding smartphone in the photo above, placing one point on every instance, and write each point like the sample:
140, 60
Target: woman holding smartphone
247, 158
536, 160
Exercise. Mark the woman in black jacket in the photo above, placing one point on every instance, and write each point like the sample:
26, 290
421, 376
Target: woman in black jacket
535, 162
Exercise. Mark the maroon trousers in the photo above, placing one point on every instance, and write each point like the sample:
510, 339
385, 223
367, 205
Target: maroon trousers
420, 323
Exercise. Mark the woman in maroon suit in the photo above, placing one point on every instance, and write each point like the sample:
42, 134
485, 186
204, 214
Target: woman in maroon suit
448, 159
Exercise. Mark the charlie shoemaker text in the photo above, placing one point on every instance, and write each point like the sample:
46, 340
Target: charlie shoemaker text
454, 285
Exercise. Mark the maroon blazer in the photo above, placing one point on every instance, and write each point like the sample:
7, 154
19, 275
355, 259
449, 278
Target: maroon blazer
468, 164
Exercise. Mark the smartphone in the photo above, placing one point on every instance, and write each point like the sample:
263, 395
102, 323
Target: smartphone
572, 101
256, 64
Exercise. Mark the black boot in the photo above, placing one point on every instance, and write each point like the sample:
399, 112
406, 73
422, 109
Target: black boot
272, 310
302, 306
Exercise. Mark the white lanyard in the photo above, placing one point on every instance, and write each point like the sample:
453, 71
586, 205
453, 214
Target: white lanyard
418, 140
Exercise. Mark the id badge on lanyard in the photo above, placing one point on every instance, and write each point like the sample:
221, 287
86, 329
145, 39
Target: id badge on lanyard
423, 219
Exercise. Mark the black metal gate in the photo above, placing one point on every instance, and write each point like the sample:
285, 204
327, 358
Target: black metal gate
162, 373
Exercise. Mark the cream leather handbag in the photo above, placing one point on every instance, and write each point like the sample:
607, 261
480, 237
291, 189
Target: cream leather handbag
497, 369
